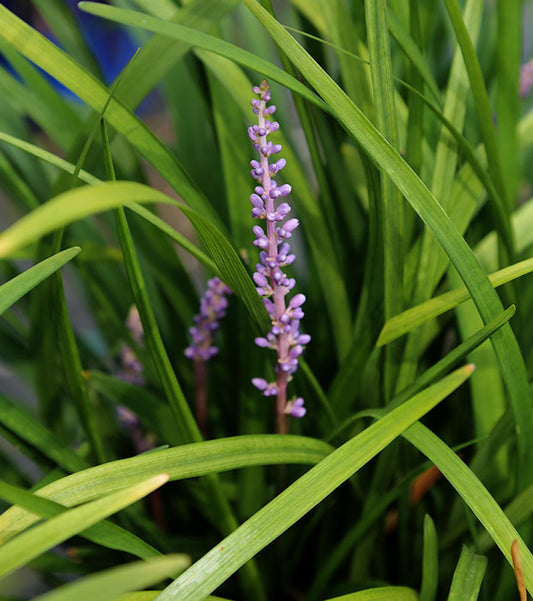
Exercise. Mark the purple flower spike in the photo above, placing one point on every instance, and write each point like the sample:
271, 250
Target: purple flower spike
526, 79
271, 282
212, 308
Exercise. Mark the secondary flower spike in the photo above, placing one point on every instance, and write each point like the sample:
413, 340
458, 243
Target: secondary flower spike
272, 284
526, 79
132, 370
213, 305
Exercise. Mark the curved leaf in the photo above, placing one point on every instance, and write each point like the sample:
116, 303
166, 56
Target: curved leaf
185, 461
202, 40
32, 543
59, 65
81, 202
300, 497
107, 585
16, 288
411, 318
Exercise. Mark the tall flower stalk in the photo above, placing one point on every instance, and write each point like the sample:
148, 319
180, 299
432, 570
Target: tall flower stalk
213, 305
271, 282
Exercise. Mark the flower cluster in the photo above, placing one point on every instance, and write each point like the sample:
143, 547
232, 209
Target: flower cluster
526, 79
131, 369
271, 282
212, 308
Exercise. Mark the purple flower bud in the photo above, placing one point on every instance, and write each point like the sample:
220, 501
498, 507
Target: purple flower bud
296, 408
291, 225
257, 201
260, 279
297, 300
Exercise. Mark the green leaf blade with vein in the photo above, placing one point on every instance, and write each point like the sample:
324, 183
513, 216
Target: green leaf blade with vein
185, 461
384, 593
412, 318
12, 291
468, 576
56, 63
300, 497
105, 533
32, 543
89, 200
108, 585
199, 39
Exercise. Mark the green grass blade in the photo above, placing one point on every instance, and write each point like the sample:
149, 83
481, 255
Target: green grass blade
384, 103
201, 40
107, 585
508, 52
51, 59
19, 421
390, 202
413, 53
12, 291
431, 262
412, 318
481, 101
518, 511
430, 562
468, 576
31, 544
304, 494
86, 177
186, 424
185, 461
106, 533
443, 366
384, 593
474, 494
89, 200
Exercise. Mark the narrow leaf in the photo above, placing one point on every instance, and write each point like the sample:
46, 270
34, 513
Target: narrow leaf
31, 544
411, 318
106, 586
12, 291
304, 494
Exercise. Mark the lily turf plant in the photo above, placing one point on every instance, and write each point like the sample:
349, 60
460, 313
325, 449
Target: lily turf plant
154, 352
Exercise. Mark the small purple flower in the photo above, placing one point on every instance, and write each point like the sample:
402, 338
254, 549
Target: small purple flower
526, 79
270, 280
212, 308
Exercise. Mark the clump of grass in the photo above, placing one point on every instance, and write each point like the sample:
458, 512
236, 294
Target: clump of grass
406, 153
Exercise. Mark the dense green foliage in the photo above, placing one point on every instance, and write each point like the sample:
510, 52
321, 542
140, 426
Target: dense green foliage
410, 155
